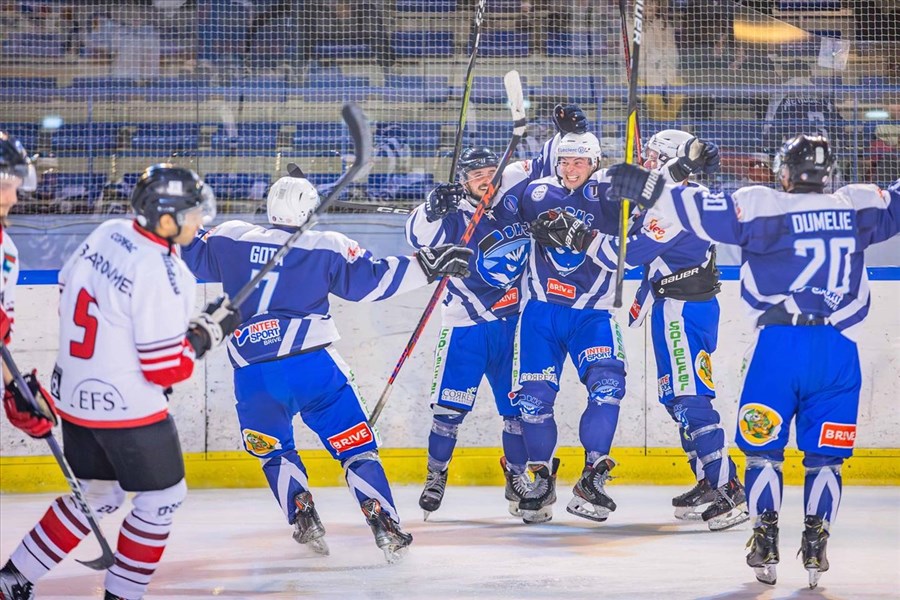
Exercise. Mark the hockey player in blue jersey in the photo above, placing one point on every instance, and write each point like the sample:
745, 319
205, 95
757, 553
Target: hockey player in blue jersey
804, 279
282, 356
680, 273
479, 313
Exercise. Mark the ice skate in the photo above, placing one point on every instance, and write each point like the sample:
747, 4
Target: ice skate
308, 528
591, 500
728, 509
690, 505
763, 546
812, 547
388, 535
433, 494
13, 585
516, 485
107, 595
540, 493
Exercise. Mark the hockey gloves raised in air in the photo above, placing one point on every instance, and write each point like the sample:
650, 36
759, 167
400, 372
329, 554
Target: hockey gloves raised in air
561, 230
210, 328
36, 421
695, 156
634, 183
447, 259
568, 118
443, 200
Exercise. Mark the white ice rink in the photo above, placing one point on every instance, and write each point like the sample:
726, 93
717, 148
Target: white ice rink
234, 544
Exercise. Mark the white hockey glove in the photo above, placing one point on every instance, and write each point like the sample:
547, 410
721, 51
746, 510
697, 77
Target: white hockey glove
446, 260
210, 328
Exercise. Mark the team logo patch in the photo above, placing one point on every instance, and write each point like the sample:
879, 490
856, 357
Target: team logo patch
258, 443
502, 256
267, 332
538, 193
759, 424
353, 251
664, 386
837, 435
511, 203
703, 369
354, 437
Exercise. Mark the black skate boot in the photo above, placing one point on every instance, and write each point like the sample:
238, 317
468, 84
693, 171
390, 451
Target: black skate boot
14, 585
591, 500
107, 595
516, 485
728, 509
308, 528
433, 494
388, 535
539, 494
763, 546
690, 505
812, 547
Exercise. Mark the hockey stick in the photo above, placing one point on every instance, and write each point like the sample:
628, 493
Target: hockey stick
517, 106
623, 11
467, 90
107, 559
631, 128
362, 148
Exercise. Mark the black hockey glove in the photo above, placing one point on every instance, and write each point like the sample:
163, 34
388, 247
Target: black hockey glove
634, 183
447, 259
210, 328
443, 200
569, 118
562, 230
695, 156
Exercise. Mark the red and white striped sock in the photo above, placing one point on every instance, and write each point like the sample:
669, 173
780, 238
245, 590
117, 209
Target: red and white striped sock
61, 528
140, 548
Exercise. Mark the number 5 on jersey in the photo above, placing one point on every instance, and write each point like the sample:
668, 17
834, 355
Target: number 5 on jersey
82, 317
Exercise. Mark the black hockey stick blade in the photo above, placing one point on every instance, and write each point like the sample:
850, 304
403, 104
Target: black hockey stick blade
361, 134
107, 558
294, 170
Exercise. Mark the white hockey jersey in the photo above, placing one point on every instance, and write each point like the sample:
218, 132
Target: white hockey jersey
9, 274
125, 304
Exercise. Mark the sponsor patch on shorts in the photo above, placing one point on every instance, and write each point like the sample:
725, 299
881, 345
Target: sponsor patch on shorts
354, 437
837, 435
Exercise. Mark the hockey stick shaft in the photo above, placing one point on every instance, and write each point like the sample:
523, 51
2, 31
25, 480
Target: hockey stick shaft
623, 13
107, 559
514, 92
362, 146
630, 134
467, 90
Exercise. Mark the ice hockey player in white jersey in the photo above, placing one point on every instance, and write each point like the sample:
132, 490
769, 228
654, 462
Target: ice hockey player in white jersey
17, 173
803, 277
282, 356
126, 336
680, 273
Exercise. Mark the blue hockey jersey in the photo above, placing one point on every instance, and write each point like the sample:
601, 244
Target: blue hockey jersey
801, 251
289, 311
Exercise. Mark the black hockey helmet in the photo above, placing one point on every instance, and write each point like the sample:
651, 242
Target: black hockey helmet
15, 162
472, 159
808, 160
165, 189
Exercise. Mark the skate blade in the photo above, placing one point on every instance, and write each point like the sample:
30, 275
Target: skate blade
394, 554
514, 509
814, 575
735, 516
319, 546
426, 514
690, 513
541, 515
765, 574
584, 509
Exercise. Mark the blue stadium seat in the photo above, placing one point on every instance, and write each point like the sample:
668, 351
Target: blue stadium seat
415, 88
168, 138
570, 44
257, 89
175, 89
740, 134
321, 138
320, 179
426, 5
27, 133
25, 44
399, 186
503, 43
423, 137
418, 44
73, 187
812, 5
493, 7
490, 90
250, 137
490, 134
329, 88
238, 186
325, 51
16, 84
109, 89
85, 139
562, 88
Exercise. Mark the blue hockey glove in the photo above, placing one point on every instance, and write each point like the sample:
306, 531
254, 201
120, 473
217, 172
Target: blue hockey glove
634, 183
569, 118
561, 230
443, 200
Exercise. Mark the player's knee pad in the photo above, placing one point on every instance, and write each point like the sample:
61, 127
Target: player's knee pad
105, 497
355, 461
446, 421
817, 462
537, 419
156, 504
761, 459
605, 384
534, 399
512, 425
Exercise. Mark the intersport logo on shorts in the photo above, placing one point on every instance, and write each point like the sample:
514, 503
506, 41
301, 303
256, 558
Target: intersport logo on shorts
351, 438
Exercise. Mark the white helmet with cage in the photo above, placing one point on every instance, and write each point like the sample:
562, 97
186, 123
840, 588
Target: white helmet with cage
291, 201
663, 147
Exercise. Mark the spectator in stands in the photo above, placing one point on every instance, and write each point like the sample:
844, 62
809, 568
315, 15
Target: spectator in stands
884, 155
271, 37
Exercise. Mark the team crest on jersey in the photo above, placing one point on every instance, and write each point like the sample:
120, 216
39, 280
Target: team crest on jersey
258, 443
266, 332
759, 424
511, 203
501, 260
703, 369
538, 193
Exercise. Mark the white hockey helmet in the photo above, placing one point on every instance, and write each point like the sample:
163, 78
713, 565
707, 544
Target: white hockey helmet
579, 145
291, 201
665, 145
